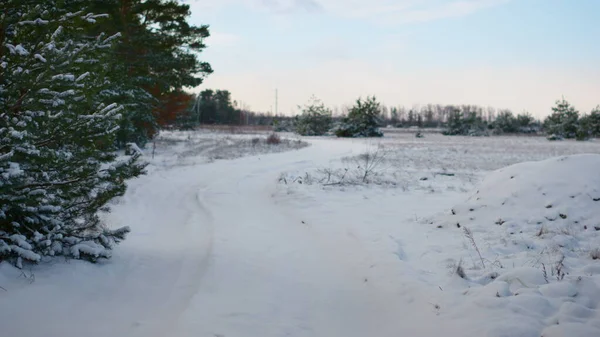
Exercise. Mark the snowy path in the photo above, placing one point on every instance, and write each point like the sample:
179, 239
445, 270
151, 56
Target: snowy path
272, 273
213, 253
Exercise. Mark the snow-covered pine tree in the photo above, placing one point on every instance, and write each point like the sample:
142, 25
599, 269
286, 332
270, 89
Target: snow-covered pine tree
362, 120
594, 119
57, 161
563, 120
138, 124
315, 120
455, 124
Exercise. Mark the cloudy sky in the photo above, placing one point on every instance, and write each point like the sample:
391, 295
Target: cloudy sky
516, 54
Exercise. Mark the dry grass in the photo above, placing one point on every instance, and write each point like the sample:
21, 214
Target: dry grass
471, 238
595, 254
273, 139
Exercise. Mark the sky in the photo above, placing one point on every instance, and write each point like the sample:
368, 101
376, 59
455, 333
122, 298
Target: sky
521, 55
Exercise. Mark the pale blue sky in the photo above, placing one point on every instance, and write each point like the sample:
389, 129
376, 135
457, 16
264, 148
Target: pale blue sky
517, 54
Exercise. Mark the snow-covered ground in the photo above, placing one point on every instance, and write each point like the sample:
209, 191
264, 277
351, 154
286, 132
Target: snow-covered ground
234, 237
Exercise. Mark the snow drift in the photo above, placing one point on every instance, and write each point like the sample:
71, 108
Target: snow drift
551, 204
531, 237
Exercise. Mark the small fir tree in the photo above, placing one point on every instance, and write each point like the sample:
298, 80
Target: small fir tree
315, 119
563, 122
455, 124
594, 122
362, 120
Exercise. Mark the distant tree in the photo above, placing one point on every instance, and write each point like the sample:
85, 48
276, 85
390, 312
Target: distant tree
563, 122
505, 122
589, 125
583, 128
594, 122
474, 123
315, 119
362, 120
207, 107
525, 120
455, 123
216, 107
526, 123
394, 115
402, 115
440, 113
384, 112
465, 122
227, 113
411, 118
490, 113
428, 116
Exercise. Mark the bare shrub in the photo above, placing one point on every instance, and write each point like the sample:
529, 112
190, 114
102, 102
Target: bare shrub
333, 176
360, 170
558, 269
273, 139
371, 161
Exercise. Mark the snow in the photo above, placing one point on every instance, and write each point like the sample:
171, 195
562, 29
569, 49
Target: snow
82, 76
25, 253
37, 21
39, 58
221, 246
534, 213
90, 248
65, 77
18, 49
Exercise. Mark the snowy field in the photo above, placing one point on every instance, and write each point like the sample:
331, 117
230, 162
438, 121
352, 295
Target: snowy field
438, 236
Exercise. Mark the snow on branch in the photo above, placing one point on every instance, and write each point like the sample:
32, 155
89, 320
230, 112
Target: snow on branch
82, 76
70, 15
7, 155
57, 32
90, 248
66, 77
38, 22
110, 109
18, 49
40, 58
110, 38
25, 253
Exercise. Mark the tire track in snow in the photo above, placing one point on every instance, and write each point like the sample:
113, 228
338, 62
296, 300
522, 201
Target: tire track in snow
192, 270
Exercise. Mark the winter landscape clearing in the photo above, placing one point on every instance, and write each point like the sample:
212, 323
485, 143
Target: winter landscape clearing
438, 236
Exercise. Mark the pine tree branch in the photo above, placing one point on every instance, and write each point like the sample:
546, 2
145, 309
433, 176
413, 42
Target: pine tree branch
58, 183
